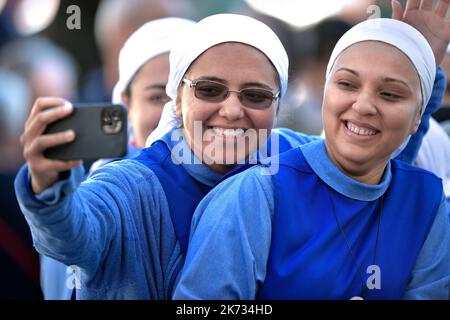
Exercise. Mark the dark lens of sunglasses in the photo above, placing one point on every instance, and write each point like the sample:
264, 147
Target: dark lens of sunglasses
210, 91
251, 98
257, 99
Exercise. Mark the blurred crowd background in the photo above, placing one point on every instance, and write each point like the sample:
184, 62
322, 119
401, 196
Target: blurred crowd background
41, 56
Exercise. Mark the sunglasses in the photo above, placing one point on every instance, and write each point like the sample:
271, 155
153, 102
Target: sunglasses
211, 91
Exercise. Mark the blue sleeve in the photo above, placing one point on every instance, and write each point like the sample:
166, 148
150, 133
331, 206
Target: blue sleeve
411, 150
75, 223
69, 223
114, 224
230, 240
431, 275
53, 274
53, 194
54, 278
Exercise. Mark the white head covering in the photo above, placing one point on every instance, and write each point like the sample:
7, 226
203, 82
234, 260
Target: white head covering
207, 33
149, 41
402, 36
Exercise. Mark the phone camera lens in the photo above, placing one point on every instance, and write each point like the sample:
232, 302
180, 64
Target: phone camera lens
111, 120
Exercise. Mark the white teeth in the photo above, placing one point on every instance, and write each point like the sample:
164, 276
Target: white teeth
228, 132
360, 131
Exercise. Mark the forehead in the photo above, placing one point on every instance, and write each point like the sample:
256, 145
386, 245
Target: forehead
155, 69
158, 63
378, 58
236, 60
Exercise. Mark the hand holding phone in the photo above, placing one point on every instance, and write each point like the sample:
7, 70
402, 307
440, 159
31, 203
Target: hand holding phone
100, 129
57, 135
45, 172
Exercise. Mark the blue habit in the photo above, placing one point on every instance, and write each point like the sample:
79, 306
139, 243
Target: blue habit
309, 257
117, 226
276, 237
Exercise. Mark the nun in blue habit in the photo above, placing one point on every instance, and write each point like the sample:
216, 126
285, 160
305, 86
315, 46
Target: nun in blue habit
339, 219
125, 229
152, 40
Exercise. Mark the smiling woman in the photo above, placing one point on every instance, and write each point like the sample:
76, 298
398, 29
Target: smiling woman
226, 117
368, 112
339, 219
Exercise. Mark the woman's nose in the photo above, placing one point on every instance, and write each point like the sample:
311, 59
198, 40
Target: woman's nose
231, 108
365, 104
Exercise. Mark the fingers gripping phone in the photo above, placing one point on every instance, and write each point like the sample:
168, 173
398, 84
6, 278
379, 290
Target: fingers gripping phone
100, 129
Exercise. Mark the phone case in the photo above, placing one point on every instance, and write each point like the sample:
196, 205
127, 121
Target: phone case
101, 132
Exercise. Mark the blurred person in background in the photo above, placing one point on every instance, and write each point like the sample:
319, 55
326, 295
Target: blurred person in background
48, 69
44, 69
446, 67
115, 21
19, 268
7, 30
15, 98
434, 155
443, 114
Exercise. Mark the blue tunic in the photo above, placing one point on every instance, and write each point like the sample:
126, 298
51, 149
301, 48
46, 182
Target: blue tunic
323, 244
240, 250
117, 226
57, 279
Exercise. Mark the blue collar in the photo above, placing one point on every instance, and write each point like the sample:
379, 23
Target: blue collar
194, 168
317, 158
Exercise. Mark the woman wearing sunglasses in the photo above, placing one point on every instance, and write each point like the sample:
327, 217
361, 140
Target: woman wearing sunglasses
339, 220
143, 74
126, 227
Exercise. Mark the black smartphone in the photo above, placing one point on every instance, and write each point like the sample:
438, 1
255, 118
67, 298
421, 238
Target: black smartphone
100, 129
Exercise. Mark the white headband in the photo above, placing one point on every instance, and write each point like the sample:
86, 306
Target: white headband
213, 30
400, 35
149, 41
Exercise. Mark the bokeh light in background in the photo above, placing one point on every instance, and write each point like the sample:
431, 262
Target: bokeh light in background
2, 4
32, 16
300, 13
